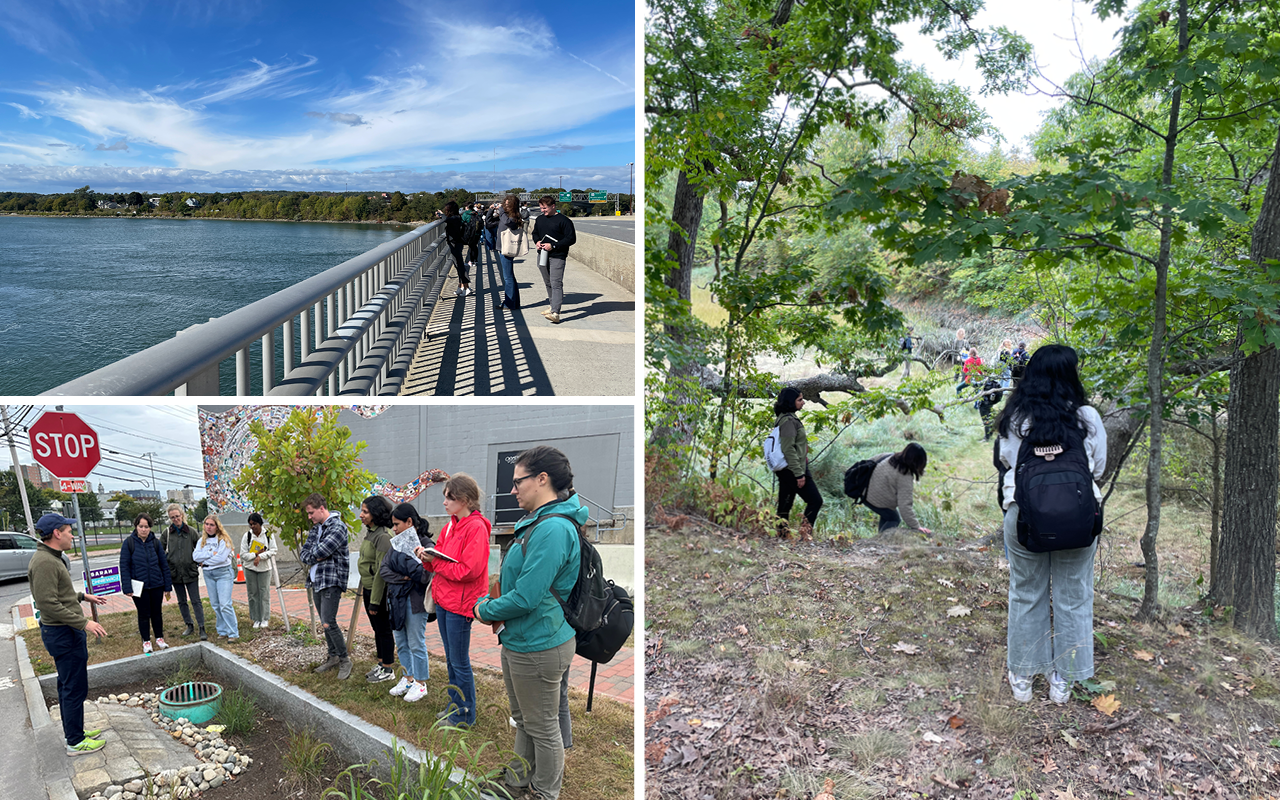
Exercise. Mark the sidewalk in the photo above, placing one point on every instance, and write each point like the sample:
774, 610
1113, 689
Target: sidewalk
474, 346
615, 679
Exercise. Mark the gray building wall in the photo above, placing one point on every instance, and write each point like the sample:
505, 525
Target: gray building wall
405, 441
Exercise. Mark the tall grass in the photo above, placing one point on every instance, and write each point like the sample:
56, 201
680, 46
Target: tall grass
453, 773
237, 712
305, 760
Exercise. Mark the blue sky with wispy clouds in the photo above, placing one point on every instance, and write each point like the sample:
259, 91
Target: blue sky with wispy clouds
218, 95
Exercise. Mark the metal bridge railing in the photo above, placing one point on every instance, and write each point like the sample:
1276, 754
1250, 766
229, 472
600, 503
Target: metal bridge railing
352, 329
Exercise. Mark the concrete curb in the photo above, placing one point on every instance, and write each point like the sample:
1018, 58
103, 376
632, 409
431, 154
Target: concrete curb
354, 739
48, 736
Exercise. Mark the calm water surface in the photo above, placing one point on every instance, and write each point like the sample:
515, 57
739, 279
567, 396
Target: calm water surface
78, 294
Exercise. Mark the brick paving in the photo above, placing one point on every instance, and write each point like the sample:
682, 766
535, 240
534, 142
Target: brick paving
615, 679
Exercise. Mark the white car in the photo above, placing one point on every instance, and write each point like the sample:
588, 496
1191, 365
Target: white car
16, 550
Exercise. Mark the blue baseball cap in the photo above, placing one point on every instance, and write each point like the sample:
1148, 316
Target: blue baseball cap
51, 522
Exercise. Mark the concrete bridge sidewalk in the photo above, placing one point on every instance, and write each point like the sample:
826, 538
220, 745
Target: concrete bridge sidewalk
615, 679
474, 346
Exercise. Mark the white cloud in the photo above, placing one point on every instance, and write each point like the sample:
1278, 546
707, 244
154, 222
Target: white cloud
518, 40
23, 111
265, 80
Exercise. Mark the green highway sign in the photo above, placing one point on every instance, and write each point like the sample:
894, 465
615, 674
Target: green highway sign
566, 197
598, 197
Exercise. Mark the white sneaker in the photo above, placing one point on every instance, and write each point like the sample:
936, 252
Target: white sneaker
1059, 689
415, 694
403, 686
1021, 685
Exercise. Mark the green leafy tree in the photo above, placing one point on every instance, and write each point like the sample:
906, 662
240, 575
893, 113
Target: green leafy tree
90, 508
310, 452
200, 510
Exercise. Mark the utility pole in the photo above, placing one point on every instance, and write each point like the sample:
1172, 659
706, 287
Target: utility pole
561, 177
17, 470
631, 186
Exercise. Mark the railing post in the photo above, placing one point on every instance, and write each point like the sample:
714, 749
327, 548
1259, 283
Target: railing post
288, 346
268, 361
242, 371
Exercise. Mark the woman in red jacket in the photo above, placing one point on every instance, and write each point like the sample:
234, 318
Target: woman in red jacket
456, 588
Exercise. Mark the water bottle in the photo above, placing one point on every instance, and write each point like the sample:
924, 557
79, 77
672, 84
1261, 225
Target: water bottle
544, 256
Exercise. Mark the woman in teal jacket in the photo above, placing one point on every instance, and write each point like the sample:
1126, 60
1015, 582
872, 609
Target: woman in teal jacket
537, 643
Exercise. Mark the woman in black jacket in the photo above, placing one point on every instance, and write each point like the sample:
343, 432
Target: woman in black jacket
144, 576
408, 589
455, 233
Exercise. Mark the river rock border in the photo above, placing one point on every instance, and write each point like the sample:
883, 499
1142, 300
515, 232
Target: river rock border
219, 760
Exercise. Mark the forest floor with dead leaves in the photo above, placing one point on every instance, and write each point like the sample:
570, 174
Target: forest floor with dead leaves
876, 669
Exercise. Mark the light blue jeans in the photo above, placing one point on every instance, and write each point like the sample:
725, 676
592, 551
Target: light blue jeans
219, 582
411, 643
1050, 607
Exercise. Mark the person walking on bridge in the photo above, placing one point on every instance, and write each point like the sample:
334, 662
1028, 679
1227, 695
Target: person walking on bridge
512, 244
554, 233
455, 233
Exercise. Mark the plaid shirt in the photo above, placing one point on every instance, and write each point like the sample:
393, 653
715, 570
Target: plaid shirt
326, 548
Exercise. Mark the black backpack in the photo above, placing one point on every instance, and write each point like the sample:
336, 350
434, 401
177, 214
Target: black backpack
600, 612
470, 226
1054, 492
858, 477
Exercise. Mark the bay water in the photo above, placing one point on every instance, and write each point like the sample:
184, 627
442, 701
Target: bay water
78, 294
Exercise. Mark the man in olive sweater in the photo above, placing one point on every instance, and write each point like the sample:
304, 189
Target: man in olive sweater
63, 626
554, 233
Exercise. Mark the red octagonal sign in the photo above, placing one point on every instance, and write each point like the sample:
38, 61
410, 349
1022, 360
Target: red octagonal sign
63, 444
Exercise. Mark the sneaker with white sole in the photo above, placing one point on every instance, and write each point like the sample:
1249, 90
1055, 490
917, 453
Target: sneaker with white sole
1059, 689
160, 642
415, 694
1021, 685
403, 686
85, 746
146, 648
381, 674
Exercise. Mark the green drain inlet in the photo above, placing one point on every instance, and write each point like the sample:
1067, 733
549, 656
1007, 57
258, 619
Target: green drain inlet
198, 701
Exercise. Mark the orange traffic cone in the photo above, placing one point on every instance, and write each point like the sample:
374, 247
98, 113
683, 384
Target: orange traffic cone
240, 573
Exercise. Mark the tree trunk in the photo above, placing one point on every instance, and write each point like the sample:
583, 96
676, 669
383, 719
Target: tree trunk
675, 427
1246, 573
1155, 358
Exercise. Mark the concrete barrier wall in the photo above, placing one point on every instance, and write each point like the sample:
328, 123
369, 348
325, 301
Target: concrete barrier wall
613, 259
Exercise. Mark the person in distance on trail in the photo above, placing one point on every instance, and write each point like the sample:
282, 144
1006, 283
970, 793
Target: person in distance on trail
458, 586
959, 352
142, 561
538, 643
1005, 360
455, 234
257, 548
325, 552
408, 604
63, 626
216, 554
908, 343
179, 543
1049, 407
1018, 364
375, 513
889, 492
552, 225
510, 226
971, 373
794, 478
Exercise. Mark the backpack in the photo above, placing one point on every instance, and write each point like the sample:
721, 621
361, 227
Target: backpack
773, 457
858, 477
600, 612
470, 225
906, 343
1054, 492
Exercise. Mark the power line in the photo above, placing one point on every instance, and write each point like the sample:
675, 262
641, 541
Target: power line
102, 424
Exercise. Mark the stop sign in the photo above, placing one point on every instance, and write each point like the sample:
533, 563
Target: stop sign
63, 444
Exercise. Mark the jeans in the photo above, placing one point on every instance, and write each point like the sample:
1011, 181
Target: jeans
70, 652
258, 585
510, 289
455, 633
889, 517
219, 581
487, 235
192, 590
553, 277
459, 264
327, 604
533, 689
149, 615
787, 491
1041, 640
383, 641
412, 643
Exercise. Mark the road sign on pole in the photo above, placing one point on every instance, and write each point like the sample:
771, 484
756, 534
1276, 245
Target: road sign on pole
566, 197
597, 197
73, 487
63, 444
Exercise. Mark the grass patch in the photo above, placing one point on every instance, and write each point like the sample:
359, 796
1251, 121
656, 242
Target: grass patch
305, 760
875, 746
238, 711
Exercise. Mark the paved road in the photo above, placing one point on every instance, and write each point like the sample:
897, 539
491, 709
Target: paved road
622, 229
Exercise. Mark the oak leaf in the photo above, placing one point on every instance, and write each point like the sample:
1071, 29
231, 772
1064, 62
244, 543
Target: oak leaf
955, 721
909, 649
1143, 655
958, 611
1107, 704
1049, 766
